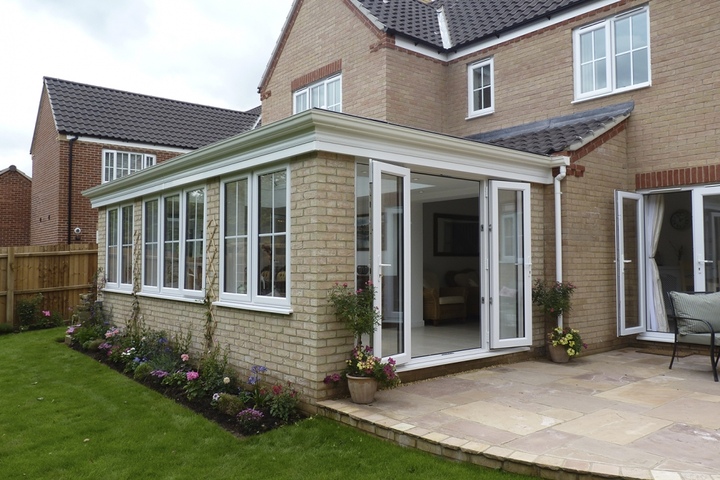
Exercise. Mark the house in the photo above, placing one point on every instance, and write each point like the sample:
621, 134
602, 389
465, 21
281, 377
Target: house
87, 135
14, 207
431, 144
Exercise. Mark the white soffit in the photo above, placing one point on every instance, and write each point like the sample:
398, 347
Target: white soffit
320, 130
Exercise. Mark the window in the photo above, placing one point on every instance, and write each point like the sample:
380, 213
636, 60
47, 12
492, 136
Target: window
118, 164
481, 96
255, 231
325, 94
119, 252
174, 243
612, 56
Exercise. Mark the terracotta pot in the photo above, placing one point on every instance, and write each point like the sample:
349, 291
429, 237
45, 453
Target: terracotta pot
362, 389
558, 354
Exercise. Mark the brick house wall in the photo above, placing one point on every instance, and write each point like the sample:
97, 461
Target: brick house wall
49, 212
14, 207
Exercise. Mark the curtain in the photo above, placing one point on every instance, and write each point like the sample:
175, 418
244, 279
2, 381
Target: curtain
657, 316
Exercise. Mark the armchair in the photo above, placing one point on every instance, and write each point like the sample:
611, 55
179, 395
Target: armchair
697, 322
442, 303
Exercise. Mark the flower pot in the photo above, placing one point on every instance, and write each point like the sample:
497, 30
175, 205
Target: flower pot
558, 354
362, 389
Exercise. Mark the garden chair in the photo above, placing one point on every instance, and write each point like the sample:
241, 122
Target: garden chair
697, 322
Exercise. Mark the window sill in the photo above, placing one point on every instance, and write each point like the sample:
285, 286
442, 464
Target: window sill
281, 310
483, 113
124, 291
609, 94
175, 298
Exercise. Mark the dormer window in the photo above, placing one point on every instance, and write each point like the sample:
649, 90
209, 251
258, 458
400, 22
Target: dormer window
481, 94
326, 93
118, 164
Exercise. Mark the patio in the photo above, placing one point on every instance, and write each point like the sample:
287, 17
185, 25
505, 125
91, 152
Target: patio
619, 414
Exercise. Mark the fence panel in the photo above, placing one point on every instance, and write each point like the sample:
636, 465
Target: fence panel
59, 272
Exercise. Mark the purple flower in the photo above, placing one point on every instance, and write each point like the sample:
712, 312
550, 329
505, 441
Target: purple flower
159, 373
46, 313
192, 375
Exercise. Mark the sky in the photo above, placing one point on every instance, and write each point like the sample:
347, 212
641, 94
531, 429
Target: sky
210, 52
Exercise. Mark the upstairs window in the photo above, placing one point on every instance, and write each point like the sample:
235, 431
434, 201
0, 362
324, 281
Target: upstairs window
481, 95
613, 55
325, 94
118, 164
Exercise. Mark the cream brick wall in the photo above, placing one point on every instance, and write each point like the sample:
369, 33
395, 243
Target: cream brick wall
324, 32
301, 348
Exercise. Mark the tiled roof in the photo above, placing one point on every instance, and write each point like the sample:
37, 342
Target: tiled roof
468, 20
560, 133
91, 111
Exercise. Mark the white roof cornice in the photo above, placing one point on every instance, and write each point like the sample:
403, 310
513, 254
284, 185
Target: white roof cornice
320, 130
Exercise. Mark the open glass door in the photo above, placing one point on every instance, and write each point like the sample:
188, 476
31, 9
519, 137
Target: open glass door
390, 220
511, 282
629, 263
706, 238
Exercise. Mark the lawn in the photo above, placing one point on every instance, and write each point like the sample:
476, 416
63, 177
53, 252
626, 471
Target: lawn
66, 416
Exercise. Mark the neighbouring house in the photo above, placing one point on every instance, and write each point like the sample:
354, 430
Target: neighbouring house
429, 145
15, 189
87, 135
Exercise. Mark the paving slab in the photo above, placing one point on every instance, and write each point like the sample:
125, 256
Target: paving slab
619, 414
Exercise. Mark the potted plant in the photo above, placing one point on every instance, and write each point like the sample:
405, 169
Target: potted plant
364, 372
565, 343
356, 308
553, 297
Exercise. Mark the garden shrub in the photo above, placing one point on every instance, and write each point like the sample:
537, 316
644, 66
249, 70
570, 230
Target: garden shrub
228, 404
6, 328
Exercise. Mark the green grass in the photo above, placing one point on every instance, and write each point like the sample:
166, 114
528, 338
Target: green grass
66, 416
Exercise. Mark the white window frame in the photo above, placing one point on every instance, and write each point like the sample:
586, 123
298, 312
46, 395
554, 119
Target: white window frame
111, 170
253, 298
472, 111
153, 242
119, 282
610, 58
181, 290
301, 97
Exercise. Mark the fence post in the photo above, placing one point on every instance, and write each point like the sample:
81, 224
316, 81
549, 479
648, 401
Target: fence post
10, 298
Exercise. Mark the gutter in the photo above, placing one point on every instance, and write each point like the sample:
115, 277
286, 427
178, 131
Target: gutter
558, 231
70, 185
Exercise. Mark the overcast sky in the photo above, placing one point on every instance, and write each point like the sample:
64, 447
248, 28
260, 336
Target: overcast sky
211, 52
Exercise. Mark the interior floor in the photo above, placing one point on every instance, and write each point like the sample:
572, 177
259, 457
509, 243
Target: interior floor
434, 340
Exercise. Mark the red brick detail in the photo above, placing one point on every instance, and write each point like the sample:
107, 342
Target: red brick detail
678, 177
322, 72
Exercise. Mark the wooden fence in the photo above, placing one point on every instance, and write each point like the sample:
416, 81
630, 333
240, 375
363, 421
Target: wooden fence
59, 272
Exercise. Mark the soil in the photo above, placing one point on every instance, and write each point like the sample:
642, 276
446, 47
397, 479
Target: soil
201, 406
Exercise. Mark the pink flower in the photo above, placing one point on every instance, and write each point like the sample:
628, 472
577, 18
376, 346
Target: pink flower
184, 357
192, 376
276, 389
46, 313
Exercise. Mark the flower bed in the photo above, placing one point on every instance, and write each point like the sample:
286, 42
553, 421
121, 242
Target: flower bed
204, 384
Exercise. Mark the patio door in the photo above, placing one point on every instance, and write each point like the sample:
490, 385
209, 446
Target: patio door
390, 221
706, 238
629, 263
511, 272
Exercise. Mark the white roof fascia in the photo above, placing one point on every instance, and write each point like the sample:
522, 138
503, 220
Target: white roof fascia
410, 44
320, 130
118, 143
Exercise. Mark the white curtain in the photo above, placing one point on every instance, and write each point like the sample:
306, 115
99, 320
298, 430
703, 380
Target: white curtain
657, 316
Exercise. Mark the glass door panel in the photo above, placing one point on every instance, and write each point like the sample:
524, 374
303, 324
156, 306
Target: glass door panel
390, 233
511, 265
706, 238
629, 263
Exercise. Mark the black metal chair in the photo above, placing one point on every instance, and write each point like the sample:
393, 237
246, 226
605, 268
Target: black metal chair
697, 322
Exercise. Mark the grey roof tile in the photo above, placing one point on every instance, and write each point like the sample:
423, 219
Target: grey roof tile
468, 20
100, 112
556, 134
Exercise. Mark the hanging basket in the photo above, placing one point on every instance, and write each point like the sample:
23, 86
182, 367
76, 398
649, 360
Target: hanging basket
362, 389
558, 354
